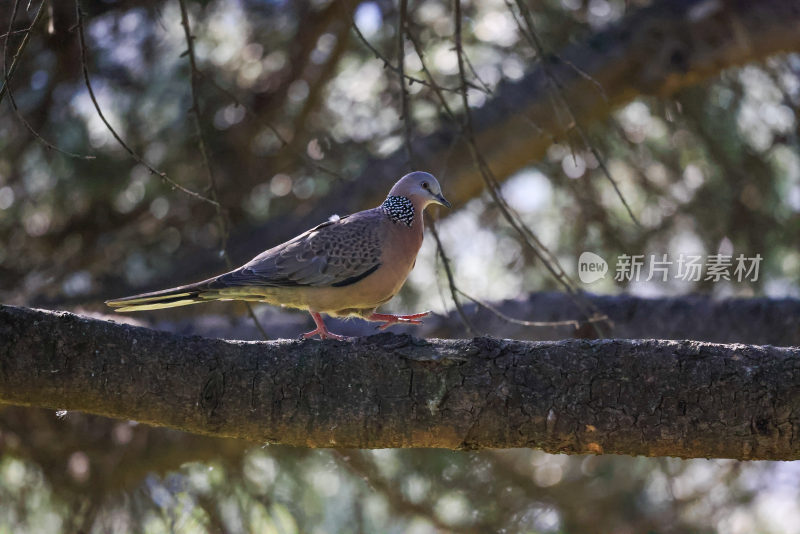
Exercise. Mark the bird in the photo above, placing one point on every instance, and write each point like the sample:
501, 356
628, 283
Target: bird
345, 267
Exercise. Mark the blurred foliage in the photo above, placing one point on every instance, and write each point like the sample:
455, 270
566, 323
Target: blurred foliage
714, 169
84, 484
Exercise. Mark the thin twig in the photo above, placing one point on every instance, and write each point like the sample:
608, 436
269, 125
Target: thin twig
433, 85
7, 77
401, 68
201, 144
9, 73
388, 64
540, 53
222, 215
15, 32
569, 322
544, 254
530, 33
129, 150
475, 74
528, 237
440, 252
471, 330
583, 74
406, 116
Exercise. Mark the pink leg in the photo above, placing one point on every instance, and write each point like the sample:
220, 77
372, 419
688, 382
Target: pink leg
389, 320
321, 329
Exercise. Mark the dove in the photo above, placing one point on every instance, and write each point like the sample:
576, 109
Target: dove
345, 267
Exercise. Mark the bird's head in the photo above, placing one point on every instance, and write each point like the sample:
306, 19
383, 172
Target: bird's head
421, 188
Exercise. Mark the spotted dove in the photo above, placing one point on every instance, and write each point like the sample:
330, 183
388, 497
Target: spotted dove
344, 267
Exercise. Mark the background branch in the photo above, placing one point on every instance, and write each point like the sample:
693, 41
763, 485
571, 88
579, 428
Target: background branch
655, 398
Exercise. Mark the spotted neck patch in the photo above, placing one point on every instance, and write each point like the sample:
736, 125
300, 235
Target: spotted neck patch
399, 209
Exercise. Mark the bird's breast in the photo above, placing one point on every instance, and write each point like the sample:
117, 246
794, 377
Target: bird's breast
400, 253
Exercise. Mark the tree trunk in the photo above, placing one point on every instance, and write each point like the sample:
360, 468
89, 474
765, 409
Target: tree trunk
650, 397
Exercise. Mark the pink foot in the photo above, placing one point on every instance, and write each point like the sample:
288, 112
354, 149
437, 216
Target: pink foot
389, 320
321, 330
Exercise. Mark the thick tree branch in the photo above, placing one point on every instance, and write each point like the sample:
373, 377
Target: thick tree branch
656, 398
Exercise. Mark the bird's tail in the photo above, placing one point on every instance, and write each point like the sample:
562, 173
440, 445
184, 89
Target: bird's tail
166, 298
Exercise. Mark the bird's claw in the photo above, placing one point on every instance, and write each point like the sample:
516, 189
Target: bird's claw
387, 324
323, 333
390, 320
321, 330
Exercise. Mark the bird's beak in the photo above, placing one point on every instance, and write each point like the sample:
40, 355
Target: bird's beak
439, 199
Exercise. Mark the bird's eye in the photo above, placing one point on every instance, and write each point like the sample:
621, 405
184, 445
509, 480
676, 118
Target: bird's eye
425, 185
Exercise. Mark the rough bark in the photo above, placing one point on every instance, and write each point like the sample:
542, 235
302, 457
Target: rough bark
655, 398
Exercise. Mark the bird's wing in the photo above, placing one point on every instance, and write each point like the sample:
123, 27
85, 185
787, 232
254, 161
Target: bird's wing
335, 253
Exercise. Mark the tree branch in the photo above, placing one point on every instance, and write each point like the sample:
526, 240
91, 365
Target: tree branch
753, 321
655, 398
